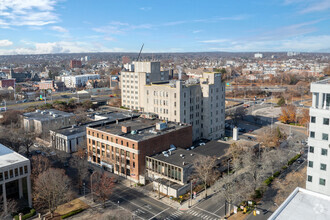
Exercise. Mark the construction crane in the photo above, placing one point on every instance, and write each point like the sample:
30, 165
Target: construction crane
140, 52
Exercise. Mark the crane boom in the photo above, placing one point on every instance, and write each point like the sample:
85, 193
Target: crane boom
140, 53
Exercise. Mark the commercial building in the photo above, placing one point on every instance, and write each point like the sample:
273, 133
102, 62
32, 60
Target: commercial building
318, 167
172, 170
41, 122
75, 64
303, 204
7, 83
15, 174
68, 139
46, 85
121, 146
199, 102
258, 55
78, 80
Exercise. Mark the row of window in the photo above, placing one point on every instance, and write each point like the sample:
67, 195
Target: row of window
325, 120
321, 180
324, 151
322, 165
127, 81
325, 137
13, 173
111, 139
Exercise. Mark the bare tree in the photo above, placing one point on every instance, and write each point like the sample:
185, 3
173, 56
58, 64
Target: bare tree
39, 164
51, 189
103, 187
204, 168
26, 139
11, 207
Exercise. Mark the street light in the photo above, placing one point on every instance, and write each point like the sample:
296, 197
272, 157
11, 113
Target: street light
92, 185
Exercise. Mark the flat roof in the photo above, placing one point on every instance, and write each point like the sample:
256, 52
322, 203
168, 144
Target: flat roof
9, 157
43, 115
145, 128
212, 148
175, 158
105, 118
303, 204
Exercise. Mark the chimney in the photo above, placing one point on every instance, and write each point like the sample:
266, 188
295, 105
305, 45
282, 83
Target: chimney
126, 129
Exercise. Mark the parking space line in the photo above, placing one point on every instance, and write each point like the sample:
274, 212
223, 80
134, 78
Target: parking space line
219, 208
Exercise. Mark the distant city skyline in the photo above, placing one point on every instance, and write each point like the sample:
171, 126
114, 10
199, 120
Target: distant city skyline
69, 26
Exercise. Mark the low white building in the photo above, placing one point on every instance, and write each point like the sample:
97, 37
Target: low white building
78, 80
15, 171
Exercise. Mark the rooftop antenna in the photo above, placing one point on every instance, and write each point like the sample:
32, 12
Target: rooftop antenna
140, 52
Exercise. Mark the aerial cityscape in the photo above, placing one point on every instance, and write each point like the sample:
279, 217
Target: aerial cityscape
173, 110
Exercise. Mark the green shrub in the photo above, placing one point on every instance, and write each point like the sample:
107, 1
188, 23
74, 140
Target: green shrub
26, 216
67, 215
292, 160
258, 193
276, 174
284, 167
269, 180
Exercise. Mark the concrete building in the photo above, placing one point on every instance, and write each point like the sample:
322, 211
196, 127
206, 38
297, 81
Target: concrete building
15, 174
199, 102
41, 122
318, 168
121, 147
303, 204
78, 80
70, 138
133, 81
258, 55
172, 170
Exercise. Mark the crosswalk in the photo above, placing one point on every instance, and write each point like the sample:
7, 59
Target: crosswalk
201, 215
191, 212
175, 215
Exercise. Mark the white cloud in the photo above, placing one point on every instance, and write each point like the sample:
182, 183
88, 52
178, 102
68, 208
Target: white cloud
145, 8
317, 7
303, 44
59, 29
107, 38
197, 31
27, 13
5, 43
214, 41
59, 47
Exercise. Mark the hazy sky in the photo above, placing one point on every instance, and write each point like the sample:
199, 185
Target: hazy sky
56, 26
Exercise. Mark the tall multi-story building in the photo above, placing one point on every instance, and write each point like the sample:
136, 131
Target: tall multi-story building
199, 102
318, 168
122, 146
75, 64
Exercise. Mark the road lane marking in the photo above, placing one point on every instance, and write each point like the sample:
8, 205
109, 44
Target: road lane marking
159, 213
219, 208
209, 212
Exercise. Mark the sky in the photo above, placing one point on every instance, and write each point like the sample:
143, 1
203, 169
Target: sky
74, 26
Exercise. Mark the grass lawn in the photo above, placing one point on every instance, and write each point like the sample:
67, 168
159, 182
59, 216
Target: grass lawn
71, 206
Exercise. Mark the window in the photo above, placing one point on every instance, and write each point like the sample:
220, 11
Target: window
309, 178
310, 164
323, 167
325, 137
326, 121
324, 152
311, 149
312, 134
322, 182
313, 119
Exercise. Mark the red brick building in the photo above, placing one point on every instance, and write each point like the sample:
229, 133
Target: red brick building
122, 147
75, 64
5, 83
47, 84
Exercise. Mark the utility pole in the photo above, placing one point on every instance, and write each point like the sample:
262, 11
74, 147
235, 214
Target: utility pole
191, 193
92, 185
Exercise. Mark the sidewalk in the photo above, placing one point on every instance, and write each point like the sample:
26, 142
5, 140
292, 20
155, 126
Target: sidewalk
147, 190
